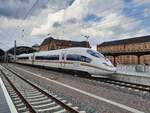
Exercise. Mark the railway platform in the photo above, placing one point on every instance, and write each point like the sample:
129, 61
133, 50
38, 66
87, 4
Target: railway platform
5, 99
129, 74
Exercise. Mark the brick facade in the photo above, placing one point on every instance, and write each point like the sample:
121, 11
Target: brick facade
52, 44
128, 45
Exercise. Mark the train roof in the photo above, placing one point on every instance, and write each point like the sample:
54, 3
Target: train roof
24, 55
52, 51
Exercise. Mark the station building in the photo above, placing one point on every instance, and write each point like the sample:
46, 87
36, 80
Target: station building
21, 50
52, 44
138, 44
2, 53
36, 47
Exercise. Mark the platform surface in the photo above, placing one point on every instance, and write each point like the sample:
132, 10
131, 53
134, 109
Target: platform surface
3, 104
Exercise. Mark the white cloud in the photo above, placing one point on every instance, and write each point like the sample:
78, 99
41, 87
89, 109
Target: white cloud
143, 32
109, 21
113, 20
15, 33
93, 32
76, 11
6, 22
105, 7
147, 12
70, 25
136, 33
112, 25
140, 2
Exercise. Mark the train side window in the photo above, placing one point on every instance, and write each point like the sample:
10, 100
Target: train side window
38, 57
81, 58
23, 58
85, 59
54, 57
51, 57
73, 57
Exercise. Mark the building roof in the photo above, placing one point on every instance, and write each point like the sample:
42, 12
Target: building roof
21, 50
2, 52
127, 41
35, 45
64, 42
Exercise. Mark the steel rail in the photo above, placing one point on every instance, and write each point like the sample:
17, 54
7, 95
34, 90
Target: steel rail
68, 108
122, 83
30, 108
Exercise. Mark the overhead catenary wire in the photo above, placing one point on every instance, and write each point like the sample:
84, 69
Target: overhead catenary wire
103, 11
32, 23
26, 15
29, 11
21, 22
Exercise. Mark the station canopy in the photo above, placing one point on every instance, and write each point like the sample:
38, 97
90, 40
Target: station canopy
1, 52
21, 50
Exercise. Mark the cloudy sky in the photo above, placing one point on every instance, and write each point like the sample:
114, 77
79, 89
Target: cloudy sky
30, 21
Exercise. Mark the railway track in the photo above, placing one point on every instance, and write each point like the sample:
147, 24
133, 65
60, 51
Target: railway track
129, 85
29, 98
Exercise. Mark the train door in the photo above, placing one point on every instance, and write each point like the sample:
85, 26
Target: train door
63, 58
33, 58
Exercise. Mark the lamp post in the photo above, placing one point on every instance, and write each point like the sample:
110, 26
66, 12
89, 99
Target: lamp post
87, 40
15, 50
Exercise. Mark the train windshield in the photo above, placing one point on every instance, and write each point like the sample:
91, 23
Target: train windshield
95, 54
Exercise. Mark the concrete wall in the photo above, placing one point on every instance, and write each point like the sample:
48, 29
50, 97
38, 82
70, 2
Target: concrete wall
133, 69
128, 73
144, 80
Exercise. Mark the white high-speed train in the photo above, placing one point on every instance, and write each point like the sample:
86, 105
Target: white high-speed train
76, 59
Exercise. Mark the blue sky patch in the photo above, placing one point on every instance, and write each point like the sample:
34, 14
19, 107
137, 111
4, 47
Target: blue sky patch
92, 17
